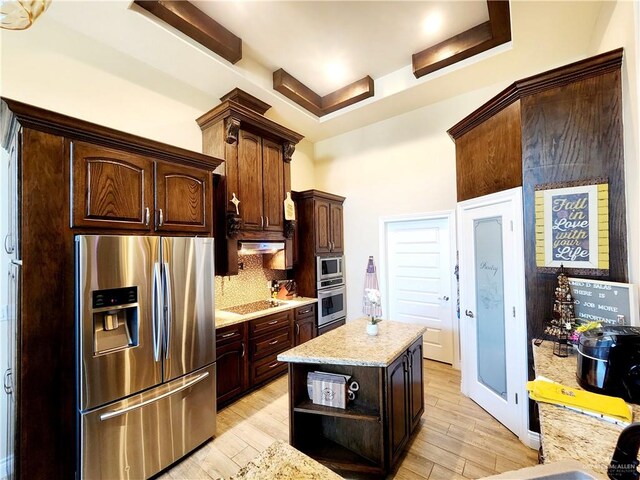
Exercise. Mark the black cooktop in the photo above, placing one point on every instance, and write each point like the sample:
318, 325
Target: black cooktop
253, 307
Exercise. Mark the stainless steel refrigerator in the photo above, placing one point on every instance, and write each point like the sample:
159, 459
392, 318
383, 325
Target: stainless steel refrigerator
146, 352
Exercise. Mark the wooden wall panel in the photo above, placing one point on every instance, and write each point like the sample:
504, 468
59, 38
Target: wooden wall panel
46, 354
489, 157
573, 132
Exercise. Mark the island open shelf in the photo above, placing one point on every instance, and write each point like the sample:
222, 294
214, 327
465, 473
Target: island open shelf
369, 435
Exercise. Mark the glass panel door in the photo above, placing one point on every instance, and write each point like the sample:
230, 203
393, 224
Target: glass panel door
492, 313
490, 323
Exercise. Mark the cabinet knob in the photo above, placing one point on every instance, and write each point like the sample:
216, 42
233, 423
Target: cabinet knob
243, 349
468, 313
444, 297
147, 216
267, 222
297, 329
261, 222
160, 218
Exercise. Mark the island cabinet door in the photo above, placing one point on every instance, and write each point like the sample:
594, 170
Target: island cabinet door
416, 397
398, 406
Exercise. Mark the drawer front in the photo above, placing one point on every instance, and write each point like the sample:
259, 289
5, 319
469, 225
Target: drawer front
229, 334
273, 342
267, 324
266, 368
305, 311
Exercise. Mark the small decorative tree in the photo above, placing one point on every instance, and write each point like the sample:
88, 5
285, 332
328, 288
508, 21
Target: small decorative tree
564, 319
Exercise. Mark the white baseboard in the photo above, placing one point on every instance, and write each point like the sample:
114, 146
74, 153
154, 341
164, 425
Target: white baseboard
533, 440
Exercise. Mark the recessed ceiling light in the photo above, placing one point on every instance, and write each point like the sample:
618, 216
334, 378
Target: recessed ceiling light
335, 72
432, 23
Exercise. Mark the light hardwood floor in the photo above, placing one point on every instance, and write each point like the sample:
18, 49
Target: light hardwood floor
456, 439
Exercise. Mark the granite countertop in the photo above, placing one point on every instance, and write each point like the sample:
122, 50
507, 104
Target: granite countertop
566, 434
283, 462
350, 345
224, 319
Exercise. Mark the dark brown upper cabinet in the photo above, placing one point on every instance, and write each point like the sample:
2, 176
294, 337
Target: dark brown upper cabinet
184, 196
257, 154
260, 183
123, 191
319, 231
329, 236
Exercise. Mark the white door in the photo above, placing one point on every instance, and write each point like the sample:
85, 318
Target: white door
492, 323
419, 281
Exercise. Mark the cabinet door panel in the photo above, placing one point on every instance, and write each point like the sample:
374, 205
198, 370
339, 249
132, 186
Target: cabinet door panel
230, 365
273, 185
397, 404
185, 196
322, 216
110, 188
305, 330
336, 237
415, 383
250, 180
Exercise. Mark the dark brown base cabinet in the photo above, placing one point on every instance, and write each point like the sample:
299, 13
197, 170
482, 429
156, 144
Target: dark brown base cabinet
231, 363
246, 352
319, 233
367, 437
305, 324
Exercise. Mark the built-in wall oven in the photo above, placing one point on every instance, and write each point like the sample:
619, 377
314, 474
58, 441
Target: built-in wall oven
332, 305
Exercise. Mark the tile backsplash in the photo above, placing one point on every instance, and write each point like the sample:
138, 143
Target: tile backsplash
250, 285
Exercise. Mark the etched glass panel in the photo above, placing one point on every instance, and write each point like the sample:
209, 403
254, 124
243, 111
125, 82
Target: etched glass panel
490, 321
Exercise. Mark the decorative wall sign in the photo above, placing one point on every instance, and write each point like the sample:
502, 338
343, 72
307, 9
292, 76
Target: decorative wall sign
572, 227
610, 303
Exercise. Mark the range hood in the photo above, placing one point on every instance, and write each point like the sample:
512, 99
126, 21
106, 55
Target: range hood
252, 248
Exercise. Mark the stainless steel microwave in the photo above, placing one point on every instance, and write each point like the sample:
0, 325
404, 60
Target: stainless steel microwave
332, 304
329, 271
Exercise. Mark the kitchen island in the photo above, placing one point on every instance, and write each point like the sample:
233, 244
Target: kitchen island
369, 435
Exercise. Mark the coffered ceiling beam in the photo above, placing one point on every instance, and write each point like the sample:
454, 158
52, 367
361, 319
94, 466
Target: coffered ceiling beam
187, 18
476, 40
299, 93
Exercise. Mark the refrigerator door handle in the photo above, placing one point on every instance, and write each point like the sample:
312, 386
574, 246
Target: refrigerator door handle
156, 309
168, 309
117, 413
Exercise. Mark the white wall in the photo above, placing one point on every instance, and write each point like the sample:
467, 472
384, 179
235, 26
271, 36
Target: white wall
303, 167
405, 164
619, 26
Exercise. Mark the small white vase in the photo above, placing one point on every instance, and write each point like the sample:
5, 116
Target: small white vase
372, 329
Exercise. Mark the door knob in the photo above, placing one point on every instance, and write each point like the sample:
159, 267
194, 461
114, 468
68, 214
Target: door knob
468, 313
